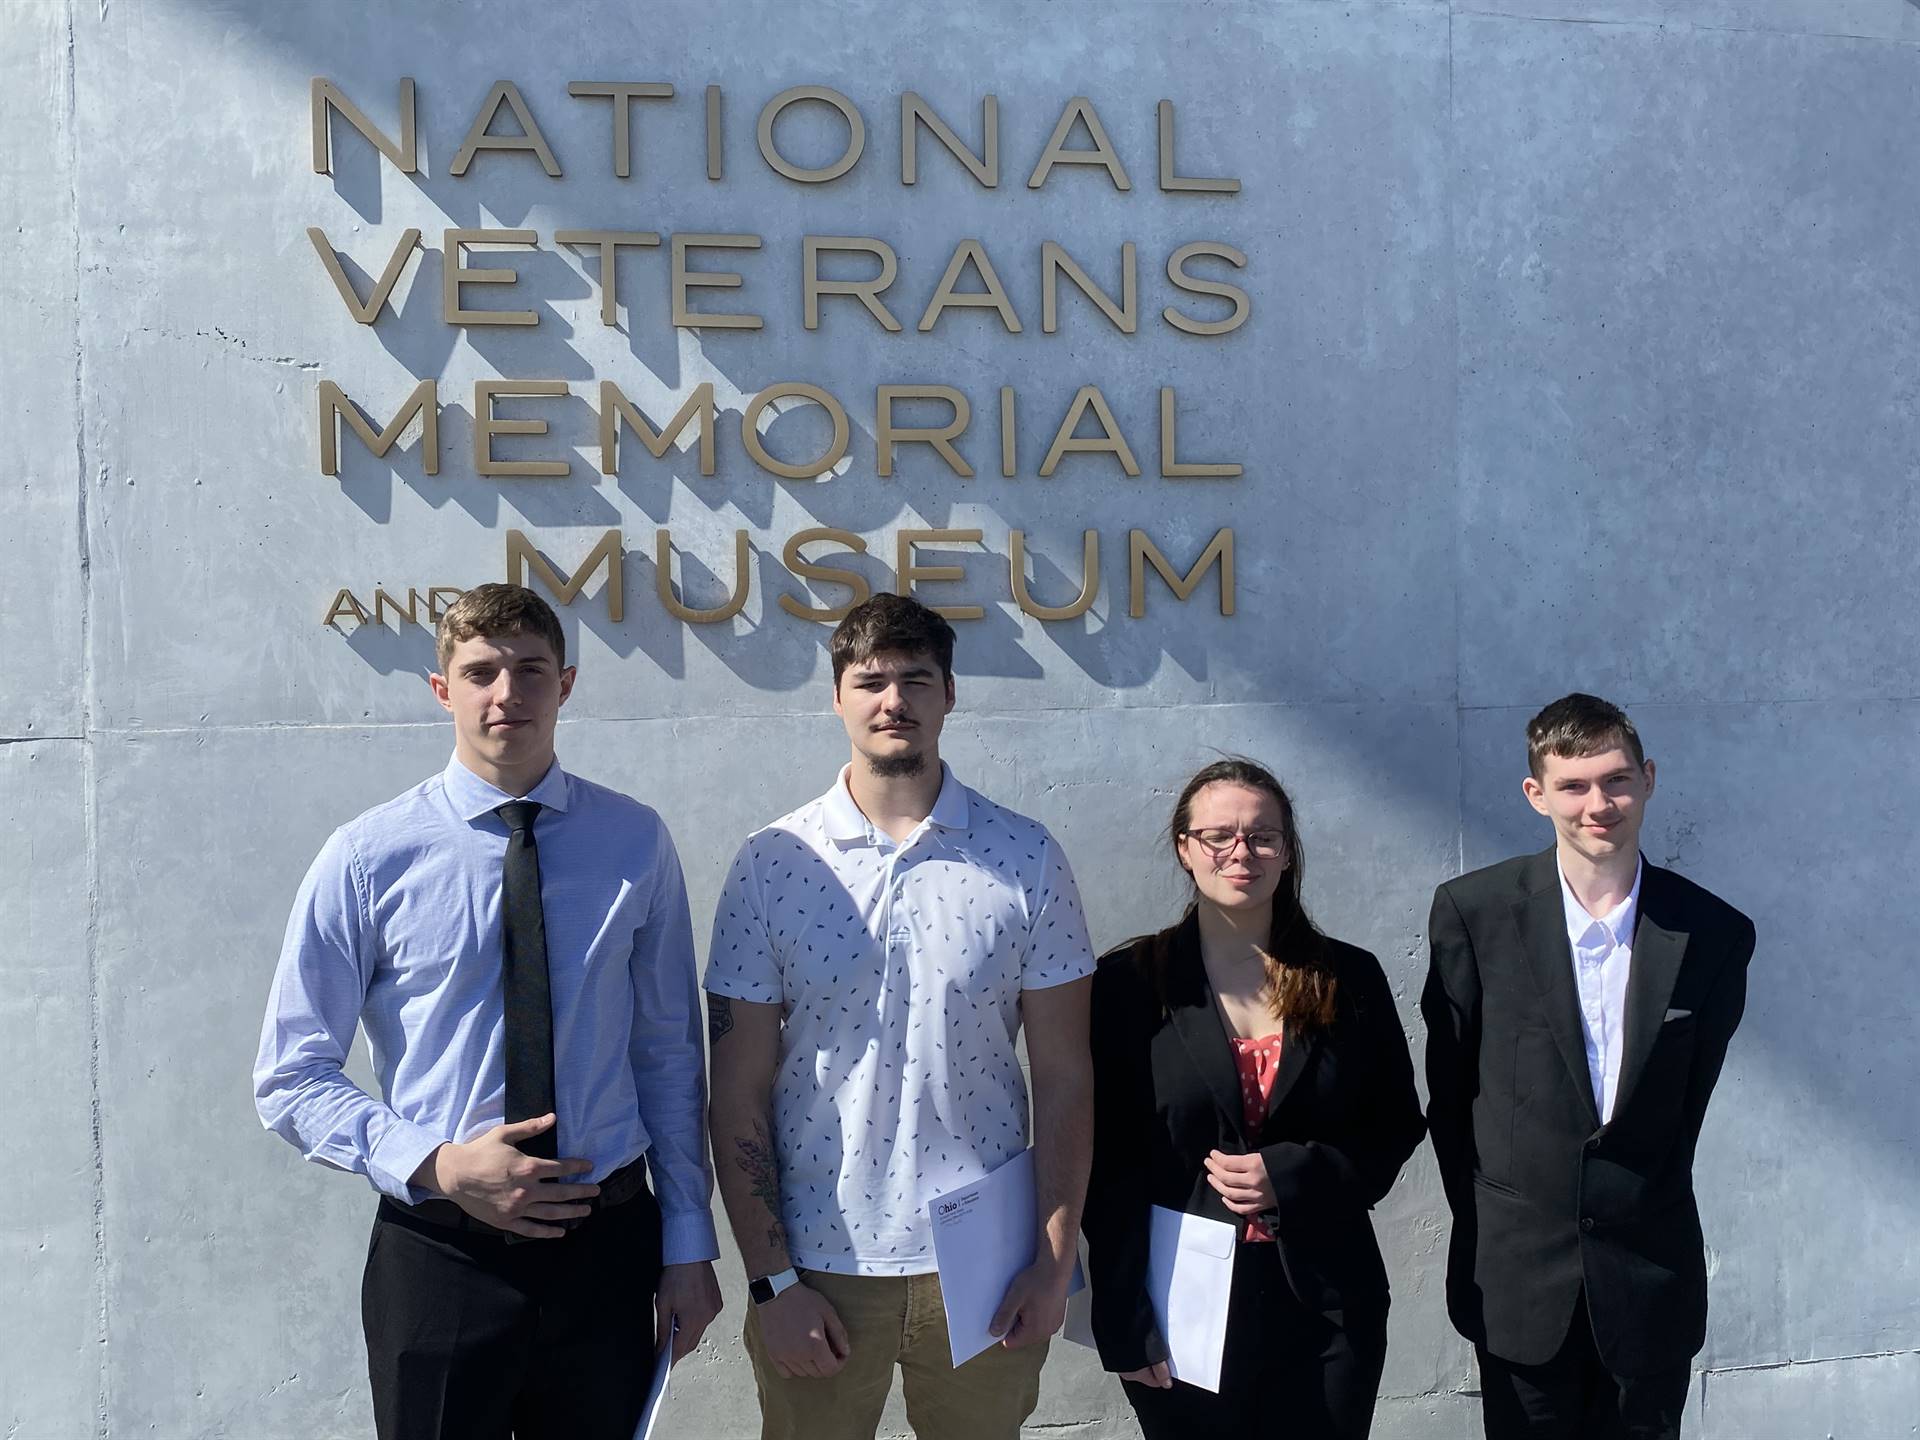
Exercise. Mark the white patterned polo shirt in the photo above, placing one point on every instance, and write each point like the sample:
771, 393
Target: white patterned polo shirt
898, 969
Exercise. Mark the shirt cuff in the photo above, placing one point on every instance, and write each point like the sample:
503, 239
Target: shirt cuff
688, 1239
396, 1155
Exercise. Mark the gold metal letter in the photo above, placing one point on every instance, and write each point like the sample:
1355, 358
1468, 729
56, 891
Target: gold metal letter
715, 155
1111, 442
381, 600
1172, 469
1054, 259
887, 435
1103, 153
382, 288
856, 134
809, 570
915, 112
750, 430
910, 573
1171, 181
615, 407
1141, 550
608, 241
529, 138
521, 556
993, 297
1177, 273
436, 607
623, 97
684, 280
454, 274
866, 291
486, 425
663, 581
325, 96
334, 407
1089, 578
345, 603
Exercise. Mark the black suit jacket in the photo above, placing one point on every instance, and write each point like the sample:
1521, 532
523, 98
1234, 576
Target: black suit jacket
1545, 1199
1343, 1118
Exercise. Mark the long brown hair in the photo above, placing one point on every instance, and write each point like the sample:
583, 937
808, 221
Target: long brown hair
1300, 986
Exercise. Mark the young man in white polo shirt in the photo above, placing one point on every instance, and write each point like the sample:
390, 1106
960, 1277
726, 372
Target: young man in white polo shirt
874, 955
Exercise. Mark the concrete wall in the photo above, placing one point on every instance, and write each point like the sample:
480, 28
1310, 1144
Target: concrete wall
1582, 354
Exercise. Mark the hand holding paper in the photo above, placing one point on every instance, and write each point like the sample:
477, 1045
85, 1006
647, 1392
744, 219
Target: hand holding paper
1033, 1307
658, 1392
985, 1243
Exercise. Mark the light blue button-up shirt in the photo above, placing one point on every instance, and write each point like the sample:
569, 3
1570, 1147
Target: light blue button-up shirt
397, 927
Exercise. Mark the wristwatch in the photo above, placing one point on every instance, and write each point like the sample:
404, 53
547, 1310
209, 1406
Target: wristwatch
768, 1286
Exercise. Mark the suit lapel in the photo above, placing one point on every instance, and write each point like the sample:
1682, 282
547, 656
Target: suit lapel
1659, 946
1542, 918
1195, 1018
1295, 1050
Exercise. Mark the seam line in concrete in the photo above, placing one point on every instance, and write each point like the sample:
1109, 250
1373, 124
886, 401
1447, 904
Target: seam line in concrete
1688, 25
118, 731
1459, 491
1813, 1360
89, 799
1018, 713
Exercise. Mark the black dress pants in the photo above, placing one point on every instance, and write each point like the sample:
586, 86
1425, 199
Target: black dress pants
470, 1338
1574, 1396
1287, 1371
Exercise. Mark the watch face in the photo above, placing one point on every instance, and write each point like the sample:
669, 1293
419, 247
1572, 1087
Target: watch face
760, 1291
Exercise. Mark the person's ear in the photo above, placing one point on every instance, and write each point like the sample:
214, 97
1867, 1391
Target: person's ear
1536, 794
438, 684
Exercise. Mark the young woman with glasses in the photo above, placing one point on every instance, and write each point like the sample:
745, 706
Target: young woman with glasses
1251, 1070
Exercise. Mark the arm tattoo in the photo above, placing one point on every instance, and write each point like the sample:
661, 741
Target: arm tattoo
757, 1159
719, 1017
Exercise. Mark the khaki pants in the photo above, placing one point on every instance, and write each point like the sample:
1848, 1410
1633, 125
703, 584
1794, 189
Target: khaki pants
897, 1319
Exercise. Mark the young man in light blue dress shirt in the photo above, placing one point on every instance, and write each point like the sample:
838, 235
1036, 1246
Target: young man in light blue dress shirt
515, 941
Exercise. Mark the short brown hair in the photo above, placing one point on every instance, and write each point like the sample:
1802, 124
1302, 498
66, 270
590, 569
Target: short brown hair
497, 610
1577, 725
891, 623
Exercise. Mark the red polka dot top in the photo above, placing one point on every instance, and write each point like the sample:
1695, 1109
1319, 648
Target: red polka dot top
1257, 1060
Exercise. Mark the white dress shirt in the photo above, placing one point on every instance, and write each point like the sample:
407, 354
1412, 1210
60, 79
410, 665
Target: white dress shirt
397, 928
1602, 958
899, 969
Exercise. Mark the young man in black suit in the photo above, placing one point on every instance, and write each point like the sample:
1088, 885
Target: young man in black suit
1578, 1005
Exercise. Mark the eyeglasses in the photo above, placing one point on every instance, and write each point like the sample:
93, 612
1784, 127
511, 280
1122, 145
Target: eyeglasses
1264, 844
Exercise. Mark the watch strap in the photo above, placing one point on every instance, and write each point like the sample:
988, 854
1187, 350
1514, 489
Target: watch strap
768, 1286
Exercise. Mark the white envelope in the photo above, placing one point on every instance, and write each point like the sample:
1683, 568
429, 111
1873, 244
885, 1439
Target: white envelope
984, 1234
1190, 1281
661, 1390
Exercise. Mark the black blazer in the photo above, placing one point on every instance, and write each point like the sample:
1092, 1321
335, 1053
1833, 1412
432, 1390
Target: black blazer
1343, 1118
1545, 1199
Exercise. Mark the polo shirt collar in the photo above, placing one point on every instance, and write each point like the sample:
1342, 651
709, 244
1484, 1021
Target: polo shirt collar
473, 797
846, 824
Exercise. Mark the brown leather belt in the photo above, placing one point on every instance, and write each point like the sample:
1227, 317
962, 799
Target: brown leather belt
624, 1184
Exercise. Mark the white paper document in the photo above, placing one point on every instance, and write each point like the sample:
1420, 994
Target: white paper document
984, 1234
657, 1393
1190, 1280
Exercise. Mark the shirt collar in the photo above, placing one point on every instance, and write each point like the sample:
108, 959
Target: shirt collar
846, 824
1618, 922
473, 797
